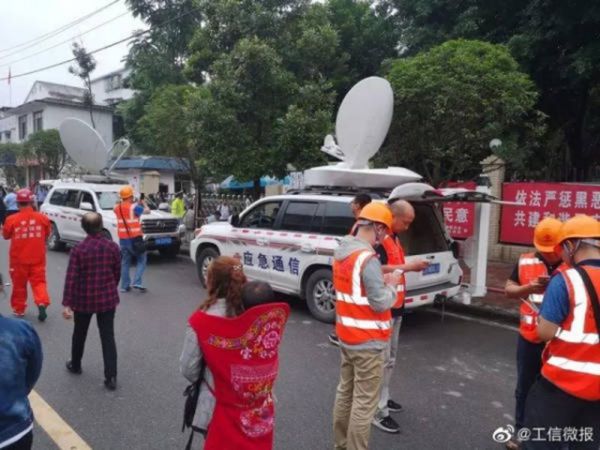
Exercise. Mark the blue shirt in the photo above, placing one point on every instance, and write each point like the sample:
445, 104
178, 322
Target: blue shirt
555, 306
11, 202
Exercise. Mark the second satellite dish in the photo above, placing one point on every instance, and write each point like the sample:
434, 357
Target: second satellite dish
363, 120
84, 145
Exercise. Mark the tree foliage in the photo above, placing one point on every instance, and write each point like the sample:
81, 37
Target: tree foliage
451, 101
46, 148
86, 64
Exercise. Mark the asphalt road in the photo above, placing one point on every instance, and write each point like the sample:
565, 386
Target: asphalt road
455, 378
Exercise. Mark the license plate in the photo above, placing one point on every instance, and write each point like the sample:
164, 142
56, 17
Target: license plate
433, 268
163, 241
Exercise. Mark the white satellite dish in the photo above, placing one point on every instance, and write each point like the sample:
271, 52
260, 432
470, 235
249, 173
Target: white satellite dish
87, 148
331, 148
363, 120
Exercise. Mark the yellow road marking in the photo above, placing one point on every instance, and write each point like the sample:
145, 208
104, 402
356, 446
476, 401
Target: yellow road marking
59, 431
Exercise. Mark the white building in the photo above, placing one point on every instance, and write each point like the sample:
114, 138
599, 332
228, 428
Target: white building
111, 88
170, 174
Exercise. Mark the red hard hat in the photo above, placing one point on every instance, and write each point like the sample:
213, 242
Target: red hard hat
24, 196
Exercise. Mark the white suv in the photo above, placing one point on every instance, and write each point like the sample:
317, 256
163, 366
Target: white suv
67, 202
288, 241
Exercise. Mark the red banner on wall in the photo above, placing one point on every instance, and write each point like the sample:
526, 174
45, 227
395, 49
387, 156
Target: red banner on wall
459, 217
539, 200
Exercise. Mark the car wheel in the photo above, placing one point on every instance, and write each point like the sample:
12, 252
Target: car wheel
54, 243
203, 260
170, 252
320, 295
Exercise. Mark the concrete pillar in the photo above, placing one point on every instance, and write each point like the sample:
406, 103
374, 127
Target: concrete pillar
494, 167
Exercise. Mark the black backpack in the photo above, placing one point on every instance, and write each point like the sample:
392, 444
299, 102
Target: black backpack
191, 394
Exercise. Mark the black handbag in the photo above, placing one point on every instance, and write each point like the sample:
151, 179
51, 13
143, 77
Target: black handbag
137, 243
191, 394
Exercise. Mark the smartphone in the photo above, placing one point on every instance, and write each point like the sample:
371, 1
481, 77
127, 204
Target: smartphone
543, 280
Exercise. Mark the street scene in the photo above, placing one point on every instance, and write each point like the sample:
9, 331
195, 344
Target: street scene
340, 224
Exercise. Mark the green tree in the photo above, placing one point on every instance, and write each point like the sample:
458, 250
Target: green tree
14, 173
451, 101
46, 148
86, 64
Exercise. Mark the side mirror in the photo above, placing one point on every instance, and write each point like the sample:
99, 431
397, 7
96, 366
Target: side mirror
455, 248
235, 220
86, 206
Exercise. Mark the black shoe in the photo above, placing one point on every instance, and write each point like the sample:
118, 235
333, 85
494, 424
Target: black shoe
111, 383
71, 368
139, 288
334, 339
393, 406
42, 313
387, 424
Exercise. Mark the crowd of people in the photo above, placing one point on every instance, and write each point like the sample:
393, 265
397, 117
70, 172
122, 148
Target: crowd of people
230, 350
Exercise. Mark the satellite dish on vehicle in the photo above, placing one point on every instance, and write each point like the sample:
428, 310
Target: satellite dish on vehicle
363, 120
87, 148
331, 148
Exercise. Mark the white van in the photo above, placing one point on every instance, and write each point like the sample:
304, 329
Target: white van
68, 201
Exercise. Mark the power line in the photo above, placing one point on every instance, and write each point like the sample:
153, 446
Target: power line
132, 36
39, 39
62, 42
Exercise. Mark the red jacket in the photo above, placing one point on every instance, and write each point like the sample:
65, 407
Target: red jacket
28, 231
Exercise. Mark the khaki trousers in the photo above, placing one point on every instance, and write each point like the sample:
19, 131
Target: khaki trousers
391, 353
356, 398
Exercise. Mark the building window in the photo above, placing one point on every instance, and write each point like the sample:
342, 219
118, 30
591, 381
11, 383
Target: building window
114, 82
22, 127
7, 136
38, 123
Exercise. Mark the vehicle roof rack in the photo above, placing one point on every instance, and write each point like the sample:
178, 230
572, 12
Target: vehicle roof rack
340, 190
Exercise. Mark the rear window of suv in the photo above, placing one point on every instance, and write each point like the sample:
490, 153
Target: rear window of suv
338, 219
425, 235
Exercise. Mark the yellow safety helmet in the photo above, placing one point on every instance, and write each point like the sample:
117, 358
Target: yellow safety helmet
546, 234
126, 192
580, 226
377, 212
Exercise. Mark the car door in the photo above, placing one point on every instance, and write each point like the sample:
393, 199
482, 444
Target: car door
295, 242
84, 197
71, 216
251, 238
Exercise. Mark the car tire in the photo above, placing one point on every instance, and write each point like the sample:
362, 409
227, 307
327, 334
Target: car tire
54, 243
320, 295
170, 252
204, 258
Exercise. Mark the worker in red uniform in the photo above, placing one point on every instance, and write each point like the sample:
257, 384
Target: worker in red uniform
391, 256
28, 231
564, 403
528, 283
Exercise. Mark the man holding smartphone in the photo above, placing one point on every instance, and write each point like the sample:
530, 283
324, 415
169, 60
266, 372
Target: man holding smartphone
528, 283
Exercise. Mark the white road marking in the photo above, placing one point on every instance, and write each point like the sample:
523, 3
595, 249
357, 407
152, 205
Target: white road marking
65, 437
475, 319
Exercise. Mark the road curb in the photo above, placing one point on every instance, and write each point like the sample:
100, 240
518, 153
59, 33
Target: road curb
483, 311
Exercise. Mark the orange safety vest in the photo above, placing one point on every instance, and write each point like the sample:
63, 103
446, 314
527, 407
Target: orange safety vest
125, 214
530, 269
356, 321
395, 257
574, 354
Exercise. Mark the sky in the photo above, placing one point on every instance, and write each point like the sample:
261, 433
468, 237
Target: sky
25, 20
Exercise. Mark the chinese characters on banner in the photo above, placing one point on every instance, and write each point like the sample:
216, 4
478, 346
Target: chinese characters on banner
459, 217
539, 200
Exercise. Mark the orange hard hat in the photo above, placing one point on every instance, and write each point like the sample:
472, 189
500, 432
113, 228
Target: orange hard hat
126, 192
580, 226
546, 234
377, 212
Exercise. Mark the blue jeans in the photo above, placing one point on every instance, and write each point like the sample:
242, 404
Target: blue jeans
529, 366
127, 255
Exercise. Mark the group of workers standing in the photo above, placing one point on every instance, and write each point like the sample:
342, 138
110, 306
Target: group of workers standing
558, 348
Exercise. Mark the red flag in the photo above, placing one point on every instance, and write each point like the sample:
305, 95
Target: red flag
9, 75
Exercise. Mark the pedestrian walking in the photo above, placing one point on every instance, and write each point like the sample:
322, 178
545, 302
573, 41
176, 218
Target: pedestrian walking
91, 288
21, 364
28, 231
11, 203
129, 229
567, 395
240, 372
356, 205
391, 256
528, 282
363, 325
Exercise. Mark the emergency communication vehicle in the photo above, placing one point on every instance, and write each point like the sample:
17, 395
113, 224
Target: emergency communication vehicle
288, 240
